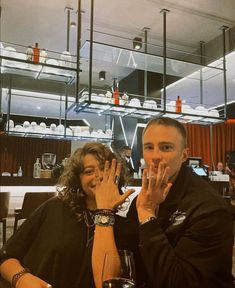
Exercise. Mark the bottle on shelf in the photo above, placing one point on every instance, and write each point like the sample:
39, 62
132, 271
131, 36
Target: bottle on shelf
37, 169
178, 105
20, 172
115, 94
43, 56
116, 97
29, 53
36, 53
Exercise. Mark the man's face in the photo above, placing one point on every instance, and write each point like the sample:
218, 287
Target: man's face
220, 166
164, 143
128, 153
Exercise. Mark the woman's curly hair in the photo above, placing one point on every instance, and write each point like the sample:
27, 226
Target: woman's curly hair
69, 185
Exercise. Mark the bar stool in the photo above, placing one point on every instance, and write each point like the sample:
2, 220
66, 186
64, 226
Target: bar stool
32, 200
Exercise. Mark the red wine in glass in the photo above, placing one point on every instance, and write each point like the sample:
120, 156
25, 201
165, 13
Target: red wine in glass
118, 270
118, 283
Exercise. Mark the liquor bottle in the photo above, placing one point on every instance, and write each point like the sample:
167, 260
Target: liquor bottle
116, 97
36, 53
178, 105
29, 53
116, 94
20, 172
37, 169
43, 56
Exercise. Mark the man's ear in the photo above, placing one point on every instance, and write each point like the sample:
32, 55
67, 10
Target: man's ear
185, 154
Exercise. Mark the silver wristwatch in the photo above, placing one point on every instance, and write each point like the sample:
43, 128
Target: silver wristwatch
104, 219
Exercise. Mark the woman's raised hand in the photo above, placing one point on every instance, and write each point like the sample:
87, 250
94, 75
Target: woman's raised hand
107, 193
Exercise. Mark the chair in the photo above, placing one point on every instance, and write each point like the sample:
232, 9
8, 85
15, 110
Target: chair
4, 205
32, 200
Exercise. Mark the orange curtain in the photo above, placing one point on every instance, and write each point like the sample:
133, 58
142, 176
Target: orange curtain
223, 141
199, 142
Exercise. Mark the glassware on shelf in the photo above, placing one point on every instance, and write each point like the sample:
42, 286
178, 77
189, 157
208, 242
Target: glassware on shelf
134, 102
29, 53
43, 56
108, 96
150, 104
125, 99
66, 59
48, 160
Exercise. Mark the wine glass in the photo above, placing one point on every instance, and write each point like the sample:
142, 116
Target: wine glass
119, 270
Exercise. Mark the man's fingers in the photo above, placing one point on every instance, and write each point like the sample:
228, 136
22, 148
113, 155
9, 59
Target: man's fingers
145, 180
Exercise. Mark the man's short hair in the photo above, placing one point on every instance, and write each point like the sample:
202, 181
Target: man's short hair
124, 148
166, 121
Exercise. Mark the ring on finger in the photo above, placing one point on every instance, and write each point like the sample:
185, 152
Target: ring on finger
49, 286
117, 178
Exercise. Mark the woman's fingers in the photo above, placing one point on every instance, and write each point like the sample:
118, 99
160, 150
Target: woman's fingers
113, 168
124, 196
106, 171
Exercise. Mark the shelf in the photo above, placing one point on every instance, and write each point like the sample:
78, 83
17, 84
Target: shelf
42, 71
143, 113
59, 136
132, 59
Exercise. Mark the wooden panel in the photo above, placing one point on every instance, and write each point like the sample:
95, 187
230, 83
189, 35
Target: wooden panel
18, 151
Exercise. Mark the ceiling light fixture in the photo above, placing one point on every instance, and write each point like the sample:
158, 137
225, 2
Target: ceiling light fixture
102, 75
73, 24
137, 43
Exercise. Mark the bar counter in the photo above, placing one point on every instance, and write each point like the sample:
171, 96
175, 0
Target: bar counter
18, 186
26, 181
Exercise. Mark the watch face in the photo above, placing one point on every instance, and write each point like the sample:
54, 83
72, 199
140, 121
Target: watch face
104, 219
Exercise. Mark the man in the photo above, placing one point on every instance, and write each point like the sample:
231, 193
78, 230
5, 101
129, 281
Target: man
185, 227
220, 167
126, 156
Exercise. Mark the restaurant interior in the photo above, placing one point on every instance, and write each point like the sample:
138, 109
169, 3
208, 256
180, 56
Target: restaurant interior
104, 69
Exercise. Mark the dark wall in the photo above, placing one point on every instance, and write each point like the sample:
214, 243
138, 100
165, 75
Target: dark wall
134, 83
231, 111
20, 151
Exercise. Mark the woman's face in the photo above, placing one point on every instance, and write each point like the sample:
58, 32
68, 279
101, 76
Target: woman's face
87, 177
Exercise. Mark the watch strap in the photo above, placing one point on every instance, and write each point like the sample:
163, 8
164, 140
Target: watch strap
151, 218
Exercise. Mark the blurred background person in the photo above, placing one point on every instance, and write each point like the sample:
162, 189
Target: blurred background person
126, 152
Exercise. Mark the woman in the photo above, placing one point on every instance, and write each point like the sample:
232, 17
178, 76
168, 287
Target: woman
53, 246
